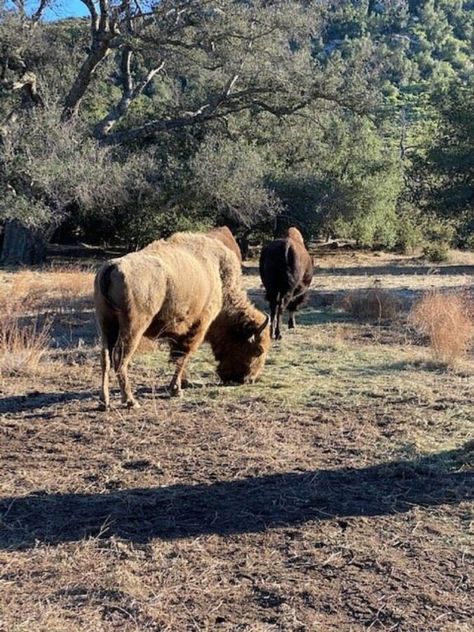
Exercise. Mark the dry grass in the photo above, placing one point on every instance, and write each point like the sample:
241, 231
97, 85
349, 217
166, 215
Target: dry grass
21, 346
373, 304
25, 335
447, 319
334, 494
55, 289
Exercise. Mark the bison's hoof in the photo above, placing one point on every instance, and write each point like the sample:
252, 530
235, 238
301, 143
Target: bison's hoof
176, 392
291, 325
132, 403
104, 407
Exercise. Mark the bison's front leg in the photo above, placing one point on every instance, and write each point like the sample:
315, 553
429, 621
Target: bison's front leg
294, 304
179, 357
181, 350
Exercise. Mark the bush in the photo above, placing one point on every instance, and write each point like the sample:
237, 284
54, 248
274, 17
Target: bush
436, 252
439, 235
409, 230
374, 304
448, 322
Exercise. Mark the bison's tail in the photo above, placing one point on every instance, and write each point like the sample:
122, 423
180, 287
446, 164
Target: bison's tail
104, 285
290, 268
108, 319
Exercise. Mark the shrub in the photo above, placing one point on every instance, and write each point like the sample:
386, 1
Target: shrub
409, 230
448, 322
436, 252
374, 304
439, 236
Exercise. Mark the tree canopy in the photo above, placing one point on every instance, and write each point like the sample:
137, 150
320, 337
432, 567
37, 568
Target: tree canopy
349, 119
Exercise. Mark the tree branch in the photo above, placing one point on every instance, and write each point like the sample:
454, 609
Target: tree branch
129, 94
222, 105
31, 98
37, 15
94, 17
104, 29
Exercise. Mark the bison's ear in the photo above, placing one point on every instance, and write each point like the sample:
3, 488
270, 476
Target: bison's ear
260, 329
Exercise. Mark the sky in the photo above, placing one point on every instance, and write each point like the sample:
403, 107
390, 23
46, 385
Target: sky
65, 9
59, 9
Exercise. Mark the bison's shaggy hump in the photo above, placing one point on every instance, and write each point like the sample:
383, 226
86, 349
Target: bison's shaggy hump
286, 270
225, 236
186, 289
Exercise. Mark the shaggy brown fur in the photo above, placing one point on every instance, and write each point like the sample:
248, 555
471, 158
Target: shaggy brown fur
224, 235
186, 289
294, 233
286, 270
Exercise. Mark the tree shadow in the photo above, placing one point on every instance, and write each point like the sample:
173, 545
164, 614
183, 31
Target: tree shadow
248, 270
418, 364
36, 400
392, 269
67, 328
238, 506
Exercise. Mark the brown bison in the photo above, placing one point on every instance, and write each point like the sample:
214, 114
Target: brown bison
286, 270
225, 236
187, 290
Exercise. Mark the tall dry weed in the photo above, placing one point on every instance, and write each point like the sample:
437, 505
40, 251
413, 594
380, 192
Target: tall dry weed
24, 336
22, 346
44, 289
447, 319
372, 304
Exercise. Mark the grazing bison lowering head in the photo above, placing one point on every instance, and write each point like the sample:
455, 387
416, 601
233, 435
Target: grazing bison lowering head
186, 290
240, 343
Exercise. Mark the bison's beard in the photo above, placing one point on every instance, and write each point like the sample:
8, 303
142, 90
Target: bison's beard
240, 358
240, 370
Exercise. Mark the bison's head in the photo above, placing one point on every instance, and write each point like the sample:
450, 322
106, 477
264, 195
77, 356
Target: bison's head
241, 348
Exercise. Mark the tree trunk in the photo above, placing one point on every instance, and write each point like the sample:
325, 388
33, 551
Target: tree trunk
22, 245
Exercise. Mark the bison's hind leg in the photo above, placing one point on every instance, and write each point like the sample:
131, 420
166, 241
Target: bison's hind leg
109, 329
274, 298
128, 341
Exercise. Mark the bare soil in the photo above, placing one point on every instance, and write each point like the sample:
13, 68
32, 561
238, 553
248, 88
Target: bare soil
335, 494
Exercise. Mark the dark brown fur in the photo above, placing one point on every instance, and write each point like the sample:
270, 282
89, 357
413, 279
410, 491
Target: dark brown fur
286, 270
186, 289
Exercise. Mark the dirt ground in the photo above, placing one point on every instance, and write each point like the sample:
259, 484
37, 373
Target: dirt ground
333, 495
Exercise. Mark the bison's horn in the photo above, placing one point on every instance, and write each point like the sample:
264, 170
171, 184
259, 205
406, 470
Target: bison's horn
263, 325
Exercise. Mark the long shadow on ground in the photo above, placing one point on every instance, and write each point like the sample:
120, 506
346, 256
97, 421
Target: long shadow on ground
397, 270
238, 506
36, 400
390, 268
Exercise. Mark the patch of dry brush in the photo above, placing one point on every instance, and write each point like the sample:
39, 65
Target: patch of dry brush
373, 304
21, 346
24, 336
447, 319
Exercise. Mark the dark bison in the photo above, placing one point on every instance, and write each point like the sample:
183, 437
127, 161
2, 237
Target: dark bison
286, 270
225, 236
186, 289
